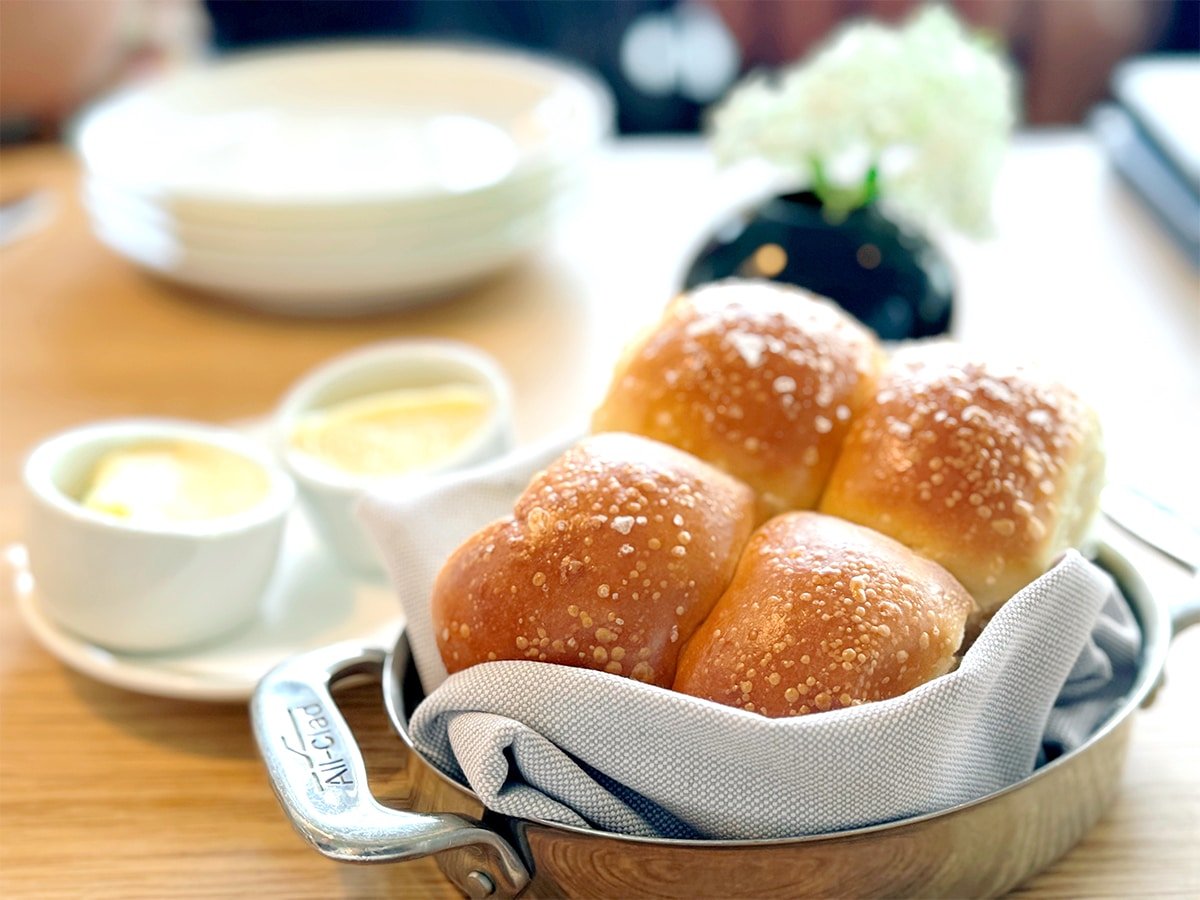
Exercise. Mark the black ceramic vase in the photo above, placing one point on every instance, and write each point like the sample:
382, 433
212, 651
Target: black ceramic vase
888, 276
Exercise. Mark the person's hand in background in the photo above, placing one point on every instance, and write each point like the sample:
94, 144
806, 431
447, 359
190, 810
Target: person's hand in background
52, 55
57, 54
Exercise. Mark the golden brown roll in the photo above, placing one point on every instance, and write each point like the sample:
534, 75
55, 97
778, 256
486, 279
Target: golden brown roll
823, 614
987, 469
612, 557
759, 379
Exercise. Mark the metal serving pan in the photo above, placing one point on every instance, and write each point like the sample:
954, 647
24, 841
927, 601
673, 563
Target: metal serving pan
981, 848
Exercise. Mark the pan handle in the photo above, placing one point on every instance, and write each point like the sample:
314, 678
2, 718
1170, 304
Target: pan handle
317, 772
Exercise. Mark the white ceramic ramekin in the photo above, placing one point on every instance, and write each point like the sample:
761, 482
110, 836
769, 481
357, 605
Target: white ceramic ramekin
331, 496
147, 588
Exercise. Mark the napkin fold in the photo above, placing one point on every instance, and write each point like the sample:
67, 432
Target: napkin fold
588, 748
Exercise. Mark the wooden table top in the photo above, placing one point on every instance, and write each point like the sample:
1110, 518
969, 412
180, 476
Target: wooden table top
105, 793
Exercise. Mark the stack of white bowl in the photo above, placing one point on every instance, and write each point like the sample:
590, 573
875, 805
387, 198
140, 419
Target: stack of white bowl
340, 179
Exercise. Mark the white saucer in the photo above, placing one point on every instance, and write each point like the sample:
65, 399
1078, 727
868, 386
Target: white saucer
311, 602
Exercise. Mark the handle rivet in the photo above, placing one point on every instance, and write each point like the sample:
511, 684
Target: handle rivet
480, 885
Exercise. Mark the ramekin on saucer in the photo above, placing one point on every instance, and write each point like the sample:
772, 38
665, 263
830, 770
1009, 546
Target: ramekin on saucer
138, 587
332, 496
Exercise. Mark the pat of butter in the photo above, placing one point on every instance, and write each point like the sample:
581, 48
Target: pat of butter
394, 432
174, 481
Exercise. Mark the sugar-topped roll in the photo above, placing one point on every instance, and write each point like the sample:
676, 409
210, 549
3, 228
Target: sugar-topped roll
759, 379
989, 469
613, 555
823, 614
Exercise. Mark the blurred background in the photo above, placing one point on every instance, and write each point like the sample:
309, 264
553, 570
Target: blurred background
193, 248
664, 60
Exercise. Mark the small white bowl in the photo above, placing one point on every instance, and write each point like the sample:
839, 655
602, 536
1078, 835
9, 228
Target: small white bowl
332, 496
138, 587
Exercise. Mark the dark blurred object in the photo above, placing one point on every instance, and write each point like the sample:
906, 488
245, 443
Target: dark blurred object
665, 61
1152, 137
1181, 34
888, 276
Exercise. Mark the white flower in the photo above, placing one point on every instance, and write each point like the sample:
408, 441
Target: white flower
918, 115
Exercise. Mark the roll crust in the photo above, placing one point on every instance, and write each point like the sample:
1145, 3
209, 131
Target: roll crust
612, 557
823, 614
759, 379
988, 469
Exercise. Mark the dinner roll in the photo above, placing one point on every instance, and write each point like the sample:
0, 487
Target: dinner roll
823, 614
986, 468
612, 557
759, 379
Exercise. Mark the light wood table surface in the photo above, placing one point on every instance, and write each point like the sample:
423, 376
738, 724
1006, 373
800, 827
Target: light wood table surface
105, 793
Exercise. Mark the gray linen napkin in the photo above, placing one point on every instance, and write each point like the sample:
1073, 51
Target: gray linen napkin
593, 749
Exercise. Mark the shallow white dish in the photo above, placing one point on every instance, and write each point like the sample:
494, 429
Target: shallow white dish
311, 602
383, 254
321, 290
446, 218
326, 129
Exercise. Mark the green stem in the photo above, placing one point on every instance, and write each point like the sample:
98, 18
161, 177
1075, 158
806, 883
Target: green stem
821, 186
871, 186
840, 202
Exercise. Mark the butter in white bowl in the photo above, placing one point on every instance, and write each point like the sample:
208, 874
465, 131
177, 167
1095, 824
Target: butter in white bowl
174, 481
151, 535
374, 417
394, 432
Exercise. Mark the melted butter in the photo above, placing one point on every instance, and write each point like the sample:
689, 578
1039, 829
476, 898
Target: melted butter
394, 432
174, 481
